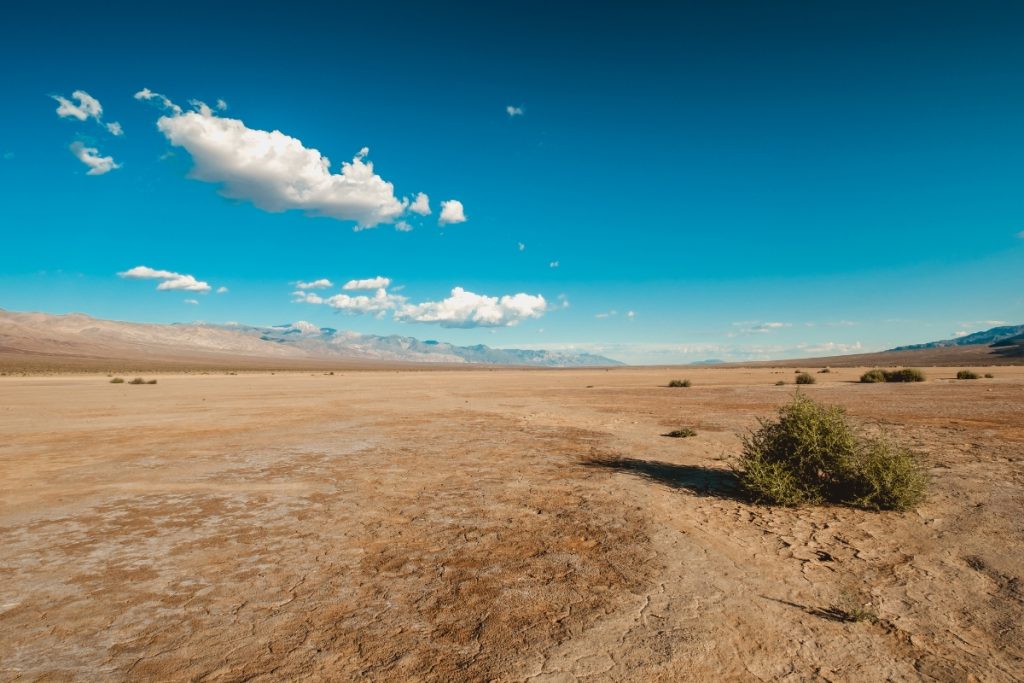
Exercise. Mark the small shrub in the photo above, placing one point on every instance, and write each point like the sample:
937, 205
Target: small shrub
137, 380
781, 383
966, 374
681, 433
886, 476
824, 371
989, 375
904, 375
811, 454
117, 380
805, 378
680, 383
872, 376
152, 381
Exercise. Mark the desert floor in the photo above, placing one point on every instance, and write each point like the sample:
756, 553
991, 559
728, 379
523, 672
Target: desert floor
460, 525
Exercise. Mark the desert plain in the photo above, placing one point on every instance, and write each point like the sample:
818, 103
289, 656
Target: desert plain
494, 525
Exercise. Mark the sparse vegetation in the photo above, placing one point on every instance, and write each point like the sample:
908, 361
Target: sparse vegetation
805, 378
967, 374
680, 383
781, 383
139, 380
989, 375
901, 375
824, 371
117, 380
811, 454
681, 433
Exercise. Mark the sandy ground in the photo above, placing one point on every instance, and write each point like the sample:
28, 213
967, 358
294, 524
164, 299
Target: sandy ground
450, 526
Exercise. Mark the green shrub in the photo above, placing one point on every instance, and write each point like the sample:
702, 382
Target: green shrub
117, 380
680, 383
137, 380
966, 374
811, 454
872, 376
886, 476
904, 375
681, 433
805, 378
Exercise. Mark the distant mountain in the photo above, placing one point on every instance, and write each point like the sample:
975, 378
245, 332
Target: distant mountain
43, 338
709, 361
993, 337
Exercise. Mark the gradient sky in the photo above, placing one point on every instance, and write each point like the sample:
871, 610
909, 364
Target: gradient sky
749, 179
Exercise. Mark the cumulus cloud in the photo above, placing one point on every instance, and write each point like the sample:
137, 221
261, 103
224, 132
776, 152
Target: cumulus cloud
451, 212
402, 226
378, 282
322, 283
274, 171
90, 156
421, 205
380, 302
170, 280
305, 327
84, 108
222, 290
514, 111
467, 309
222, 105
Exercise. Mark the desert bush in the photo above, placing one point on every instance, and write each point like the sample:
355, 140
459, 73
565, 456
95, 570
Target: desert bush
805, 378
812, 454
781, 383
989, 375
886, 476
824, 371
967, 374
152, 381
680, 383
117, 380
872, 376
904, 375
681, 433
137, 380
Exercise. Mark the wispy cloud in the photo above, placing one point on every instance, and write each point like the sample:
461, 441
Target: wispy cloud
514, 111
322, 283
169, 279
90, 156
379, 282
84, 108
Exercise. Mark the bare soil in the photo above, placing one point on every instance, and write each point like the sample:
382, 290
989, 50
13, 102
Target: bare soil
493, 525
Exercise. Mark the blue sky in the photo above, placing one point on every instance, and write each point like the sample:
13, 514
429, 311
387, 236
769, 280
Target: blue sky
748, 179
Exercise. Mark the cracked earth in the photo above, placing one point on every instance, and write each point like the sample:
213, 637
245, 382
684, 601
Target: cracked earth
493, 525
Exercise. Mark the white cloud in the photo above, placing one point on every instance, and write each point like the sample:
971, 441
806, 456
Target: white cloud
606, 314
514, 111
192, 301
553, 264
451, 212
305, 327
171, 280
630, 314
755, 327
961, 333
466, 309
302, 297
402, 226
274, 171
222, 290
522, 247
421, 205
87, 107
380, 302
378, 282
90, 156
322, 283
222, 105
162, 100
